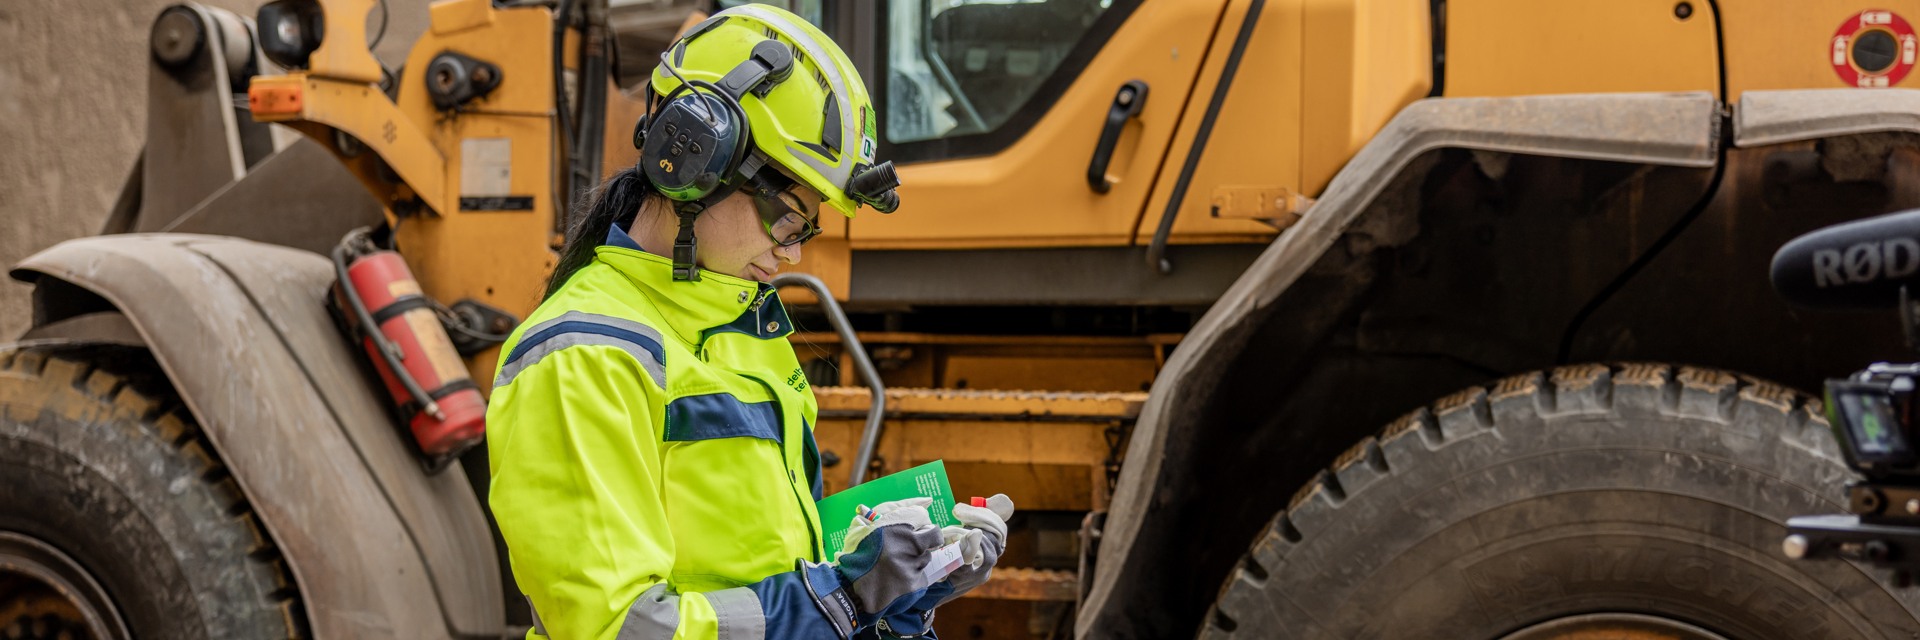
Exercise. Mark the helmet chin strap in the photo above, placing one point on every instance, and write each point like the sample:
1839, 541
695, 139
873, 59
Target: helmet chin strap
685, 246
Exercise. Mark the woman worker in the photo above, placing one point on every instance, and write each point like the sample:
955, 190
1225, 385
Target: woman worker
654, 466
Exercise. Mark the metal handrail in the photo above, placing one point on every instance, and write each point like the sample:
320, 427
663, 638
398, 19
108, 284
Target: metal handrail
870, 438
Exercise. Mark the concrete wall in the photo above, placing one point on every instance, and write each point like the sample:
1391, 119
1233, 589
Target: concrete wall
73, 79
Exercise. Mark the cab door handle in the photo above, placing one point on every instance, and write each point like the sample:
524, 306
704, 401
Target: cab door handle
1127, 103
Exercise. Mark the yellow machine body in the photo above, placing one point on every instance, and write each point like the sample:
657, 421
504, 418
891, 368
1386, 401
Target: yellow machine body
1268, 128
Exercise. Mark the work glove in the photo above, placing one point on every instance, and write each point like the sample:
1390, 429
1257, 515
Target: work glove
982, 535
912, 511
880, 571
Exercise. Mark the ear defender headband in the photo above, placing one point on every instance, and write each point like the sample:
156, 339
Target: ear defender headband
696, 149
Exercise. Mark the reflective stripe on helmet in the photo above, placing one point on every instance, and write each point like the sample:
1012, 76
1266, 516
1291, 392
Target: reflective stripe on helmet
850, 130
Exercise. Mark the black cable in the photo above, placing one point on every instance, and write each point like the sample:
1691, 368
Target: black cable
389, 81
1646, 257
382, 33
1723, 140
613, 58
585, 148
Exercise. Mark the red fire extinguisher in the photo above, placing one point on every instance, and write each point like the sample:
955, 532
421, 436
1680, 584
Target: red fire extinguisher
396, 324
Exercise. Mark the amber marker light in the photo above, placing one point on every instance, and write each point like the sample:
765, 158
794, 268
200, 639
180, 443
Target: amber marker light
274, 99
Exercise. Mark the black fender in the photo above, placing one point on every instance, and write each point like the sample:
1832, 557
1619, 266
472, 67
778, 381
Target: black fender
377, 548
1142, 537
1370, 203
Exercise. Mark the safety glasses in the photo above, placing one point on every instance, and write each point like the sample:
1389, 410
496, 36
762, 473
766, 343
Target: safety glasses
774, 199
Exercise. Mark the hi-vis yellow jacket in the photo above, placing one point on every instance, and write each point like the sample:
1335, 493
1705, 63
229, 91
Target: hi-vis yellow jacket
654, 467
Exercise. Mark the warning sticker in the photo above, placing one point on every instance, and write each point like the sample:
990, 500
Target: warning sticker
1873, 49
486, 176
867, 134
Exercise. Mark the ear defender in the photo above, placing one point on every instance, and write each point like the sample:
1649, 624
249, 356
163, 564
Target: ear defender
692, 145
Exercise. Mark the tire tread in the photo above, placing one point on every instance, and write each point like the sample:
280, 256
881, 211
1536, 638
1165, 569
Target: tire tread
1520, 401
143, 398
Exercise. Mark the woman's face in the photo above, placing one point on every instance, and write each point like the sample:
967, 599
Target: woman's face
734, 241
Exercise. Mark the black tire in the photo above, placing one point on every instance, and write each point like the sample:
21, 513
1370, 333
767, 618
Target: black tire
1641, 489
114, 477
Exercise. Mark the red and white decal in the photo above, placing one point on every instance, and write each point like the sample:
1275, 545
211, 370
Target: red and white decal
1860, 25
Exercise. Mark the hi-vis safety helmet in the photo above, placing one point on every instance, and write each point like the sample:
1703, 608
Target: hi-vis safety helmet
756, 85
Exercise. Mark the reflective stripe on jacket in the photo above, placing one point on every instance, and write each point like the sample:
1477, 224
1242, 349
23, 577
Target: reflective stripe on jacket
653, 458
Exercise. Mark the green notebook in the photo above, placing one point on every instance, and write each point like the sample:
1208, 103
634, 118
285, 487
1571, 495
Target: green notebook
928, 480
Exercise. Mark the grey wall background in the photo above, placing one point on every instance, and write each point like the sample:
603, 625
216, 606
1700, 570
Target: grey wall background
73, 80
73, 91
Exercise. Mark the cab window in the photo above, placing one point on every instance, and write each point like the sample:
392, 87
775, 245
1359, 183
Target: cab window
968, 77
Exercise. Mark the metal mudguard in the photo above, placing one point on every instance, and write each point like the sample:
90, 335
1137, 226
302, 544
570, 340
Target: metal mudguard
1139, 538
378, 548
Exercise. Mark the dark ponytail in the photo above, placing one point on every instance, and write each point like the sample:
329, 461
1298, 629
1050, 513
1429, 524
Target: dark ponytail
616, 201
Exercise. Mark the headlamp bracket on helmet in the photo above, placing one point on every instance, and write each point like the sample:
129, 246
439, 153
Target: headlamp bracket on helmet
770, 64
696, 146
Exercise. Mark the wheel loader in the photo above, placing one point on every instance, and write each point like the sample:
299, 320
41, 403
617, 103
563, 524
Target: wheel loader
1278, 318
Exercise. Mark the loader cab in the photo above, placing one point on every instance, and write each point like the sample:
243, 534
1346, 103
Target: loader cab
968, 79
963, 78
1080, 121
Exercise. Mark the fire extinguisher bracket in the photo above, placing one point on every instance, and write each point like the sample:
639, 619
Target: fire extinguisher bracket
399, 330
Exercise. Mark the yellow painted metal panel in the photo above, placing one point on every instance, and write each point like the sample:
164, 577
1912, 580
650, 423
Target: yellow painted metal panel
1023, 371
1035, 193
1255, 140
343, 54
1788, 45
497, 257
1036, 487
451, 16
360, 111
1010, 447
1318, 79
500, 258
624, 109
1527, 47
1364, 60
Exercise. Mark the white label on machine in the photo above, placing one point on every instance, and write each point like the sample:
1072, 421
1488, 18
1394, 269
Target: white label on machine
945, 560
486, 167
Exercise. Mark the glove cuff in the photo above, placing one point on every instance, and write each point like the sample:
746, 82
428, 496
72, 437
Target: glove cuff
830, 594
924, 629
